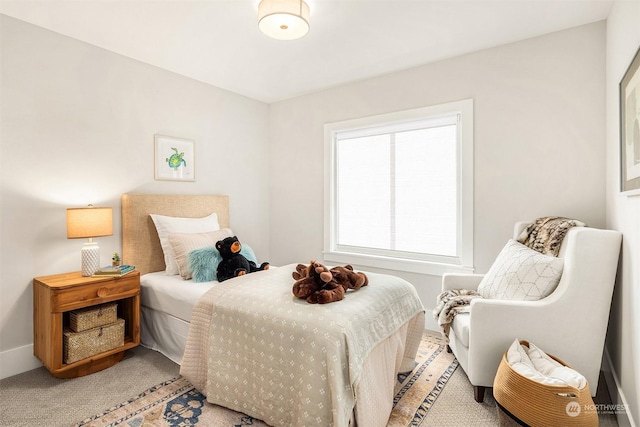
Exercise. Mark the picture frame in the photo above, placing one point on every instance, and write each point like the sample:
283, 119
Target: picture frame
630, 128
174, 158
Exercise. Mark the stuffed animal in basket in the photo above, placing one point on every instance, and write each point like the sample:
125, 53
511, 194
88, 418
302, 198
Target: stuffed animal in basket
317, 284
233, 262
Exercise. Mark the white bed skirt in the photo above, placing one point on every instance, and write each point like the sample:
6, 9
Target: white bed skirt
164, 333
376, 389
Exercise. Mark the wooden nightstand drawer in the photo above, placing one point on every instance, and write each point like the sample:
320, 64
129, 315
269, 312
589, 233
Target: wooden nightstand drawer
66, 299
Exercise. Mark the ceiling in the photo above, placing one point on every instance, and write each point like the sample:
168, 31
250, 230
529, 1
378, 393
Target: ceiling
218, 41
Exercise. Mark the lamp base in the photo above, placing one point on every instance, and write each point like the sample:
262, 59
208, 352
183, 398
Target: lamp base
90, 258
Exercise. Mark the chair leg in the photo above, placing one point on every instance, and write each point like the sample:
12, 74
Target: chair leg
478, 393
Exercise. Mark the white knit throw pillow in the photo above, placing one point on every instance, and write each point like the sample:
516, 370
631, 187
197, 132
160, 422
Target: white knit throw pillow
520, 273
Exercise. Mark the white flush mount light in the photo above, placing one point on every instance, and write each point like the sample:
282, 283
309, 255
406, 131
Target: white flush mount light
283, 19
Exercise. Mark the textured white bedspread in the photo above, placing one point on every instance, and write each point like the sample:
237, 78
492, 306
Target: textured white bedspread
253, 347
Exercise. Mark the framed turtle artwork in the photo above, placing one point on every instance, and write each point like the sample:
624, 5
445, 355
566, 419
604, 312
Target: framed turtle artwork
174, 158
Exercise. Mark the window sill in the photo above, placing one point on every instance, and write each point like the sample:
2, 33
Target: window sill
387, 263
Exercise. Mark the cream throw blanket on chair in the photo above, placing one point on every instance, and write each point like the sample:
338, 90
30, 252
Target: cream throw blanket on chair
545, 234
450, 303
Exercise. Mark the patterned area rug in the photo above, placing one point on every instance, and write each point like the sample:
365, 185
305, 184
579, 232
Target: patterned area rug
177, 403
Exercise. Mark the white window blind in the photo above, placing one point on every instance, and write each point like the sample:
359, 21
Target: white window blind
395, 189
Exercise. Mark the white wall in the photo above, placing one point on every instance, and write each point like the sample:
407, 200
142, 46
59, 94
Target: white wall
539, 140
77, 127
623, 213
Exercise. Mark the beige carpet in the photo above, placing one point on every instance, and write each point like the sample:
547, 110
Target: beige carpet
176, 402
35, 398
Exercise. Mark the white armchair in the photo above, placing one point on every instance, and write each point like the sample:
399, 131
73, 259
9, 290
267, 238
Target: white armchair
571, 323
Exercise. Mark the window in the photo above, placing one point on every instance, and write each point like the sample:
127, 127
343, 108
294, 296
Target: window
400, 190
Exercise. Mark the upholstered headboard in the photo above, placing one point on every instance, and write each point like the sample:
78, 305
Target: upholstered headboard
140, 242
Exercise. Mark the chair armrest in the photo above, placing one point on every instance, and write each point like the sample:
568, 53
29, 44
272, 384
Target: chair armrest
488, 316
461, 281
495, 324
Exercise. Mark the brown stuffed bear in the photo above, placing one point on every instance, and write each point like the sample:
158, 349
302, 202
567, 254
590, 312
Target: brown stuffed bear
330, 291
348, 278
301, 272
317, 284
310, 279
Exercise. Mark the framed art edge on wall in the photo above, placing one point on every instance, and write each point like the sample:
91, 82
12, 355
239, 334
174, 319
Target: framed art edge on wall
174, 158
630, 128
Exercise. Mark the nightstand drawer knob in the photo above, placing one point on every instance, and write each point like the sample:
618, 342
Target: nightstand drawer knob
103, 292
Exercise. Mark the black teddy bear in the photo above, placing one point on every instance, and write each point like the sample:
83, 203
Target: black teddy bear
233, 262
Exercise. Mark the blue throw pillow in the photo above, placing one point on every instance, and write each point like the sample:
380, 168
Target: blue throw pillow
204, 262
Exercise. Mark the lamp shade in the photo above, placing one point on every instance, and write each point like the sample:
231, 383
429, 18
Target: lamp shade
283, 19
89, 222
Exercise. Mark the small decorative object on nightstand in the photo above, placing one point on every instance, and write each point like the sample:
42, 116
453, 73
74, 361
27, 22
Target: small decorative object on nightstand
115, 259
59, 298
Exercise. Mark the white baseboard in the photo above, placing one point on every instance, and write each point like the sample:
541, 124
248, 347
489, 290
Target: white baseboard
17, 360
618, 399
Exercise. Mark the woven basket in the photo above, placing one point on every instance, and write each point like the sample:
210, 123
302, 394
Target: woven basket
92, 317
537, 404
80, 345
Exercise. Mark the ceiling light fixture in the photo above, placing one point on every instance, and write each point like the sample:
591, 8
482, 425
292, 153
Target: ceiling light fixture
283, 19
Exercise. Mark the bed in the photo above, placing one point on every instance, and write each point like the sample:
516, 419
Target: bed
249, 345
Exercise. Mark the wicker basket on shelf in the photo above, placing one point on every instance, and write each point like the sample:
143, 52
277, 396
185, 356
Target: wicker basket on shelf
92, 317
80, 345
536, 404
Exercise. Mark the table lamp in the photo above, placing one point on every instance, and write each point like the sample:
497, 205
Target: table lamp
89, 222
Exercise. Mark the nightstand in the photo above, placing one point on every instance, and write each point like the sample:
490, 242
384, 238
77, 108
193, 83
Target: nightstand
54, 296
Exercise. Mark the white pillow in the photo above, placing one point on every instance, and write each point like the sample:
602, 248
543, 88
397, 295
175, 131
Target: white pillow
170, 224
554, 369
522, 274
183, 243
519, 360
518, 354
